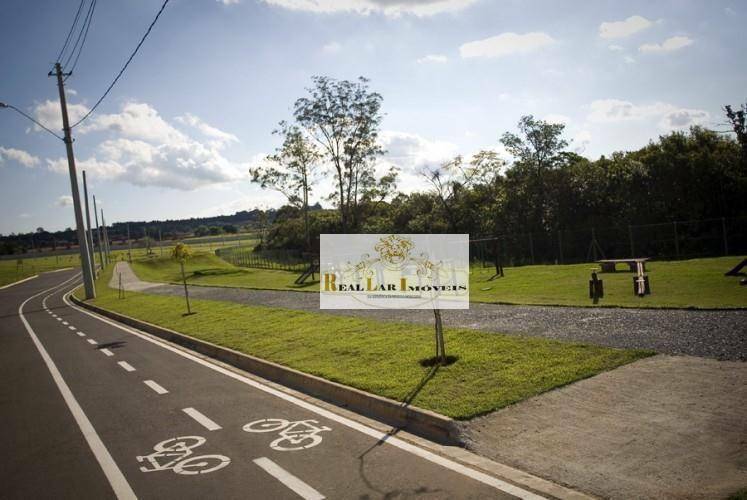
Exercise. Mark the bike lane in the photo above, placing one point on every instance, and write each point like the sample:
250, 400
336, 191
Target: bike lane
132, 417
44, 453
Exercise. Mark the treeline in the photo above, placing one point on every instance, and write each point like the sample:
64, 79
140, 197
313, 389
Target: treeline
542, 189
42, 240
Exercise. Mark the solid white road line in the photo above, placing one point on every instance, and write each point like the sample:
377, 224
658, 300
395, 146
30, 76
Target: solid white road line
72, 327
18, 282
107, 352
299, 487
116, 479
457, 467
161, 390
92, 342
127, 366
202, 419
80, 334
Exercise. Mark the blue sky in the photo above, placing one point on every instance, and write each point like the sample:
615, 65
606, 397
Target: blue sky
196, 108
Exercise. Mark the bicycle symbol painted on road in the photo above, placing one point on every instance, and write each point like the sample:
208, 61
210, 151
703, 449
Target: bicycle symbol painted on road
294, 436
176, 454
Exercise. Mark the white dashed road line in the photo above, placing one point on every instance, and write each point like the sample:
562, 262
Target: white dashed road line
202, 419
299, 487
107, 352
127, 366
65, 323
92, 342
80, 334
159, 390
72, 327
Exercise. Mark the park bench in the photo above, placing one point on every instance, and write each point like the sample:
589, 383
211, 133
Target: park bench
609, 265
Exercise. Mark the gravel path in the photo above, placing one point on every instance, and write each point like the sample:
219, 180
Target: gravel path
713, 334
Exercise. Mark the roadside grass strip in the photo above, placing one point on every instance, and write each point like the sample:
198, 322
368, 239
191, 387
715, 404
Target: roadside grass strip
492, 370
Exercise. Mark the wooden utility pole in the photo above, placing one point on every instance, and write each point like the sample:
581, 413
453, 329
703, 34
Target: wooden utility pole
98, 234
85, 256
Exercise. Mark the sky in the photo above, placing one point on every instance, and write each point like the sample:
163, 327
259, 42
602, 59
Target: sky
195, 109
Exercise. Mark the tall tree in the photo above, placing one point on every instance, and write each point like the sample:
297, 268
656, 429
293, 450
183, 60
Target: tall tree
537, 148
291, 170
344, 117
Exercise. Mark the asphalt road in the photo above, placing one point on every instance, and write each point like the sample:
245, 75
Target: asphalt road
91, 409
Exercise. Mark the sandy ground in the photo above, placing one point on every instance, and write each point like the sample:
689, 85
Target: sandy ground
663, 427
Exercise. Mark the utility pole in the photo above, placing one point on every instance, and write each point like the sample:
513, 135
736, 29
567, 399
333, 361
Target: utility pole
129, 244
98, 234
85, 256
106, 237
91, 248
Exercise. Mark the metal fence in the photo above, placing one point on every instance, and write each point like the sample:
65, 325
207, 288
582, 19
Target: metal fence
284, 260
668, 240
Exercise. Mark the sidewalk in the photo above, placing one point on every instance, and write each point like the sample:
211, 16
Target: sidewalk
662, 427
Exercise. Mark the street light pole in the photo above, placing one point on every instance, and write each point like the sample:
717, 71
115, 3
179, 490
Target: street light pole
85, 256
98, 234
89, 232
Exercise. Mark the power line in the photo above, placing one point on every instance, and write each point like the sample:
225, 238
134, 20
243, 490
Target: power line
70, 33
10, 106
83, 29
87, 26
123, 67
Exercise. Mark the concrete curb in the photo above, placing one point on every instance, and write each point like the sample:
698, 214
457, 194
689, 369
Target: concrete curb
418, 421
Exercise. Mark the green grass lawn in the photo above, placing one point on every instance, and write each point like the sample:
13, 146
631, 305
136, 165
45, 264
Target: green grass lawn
207, 269
698, 283
11, 271
492, 370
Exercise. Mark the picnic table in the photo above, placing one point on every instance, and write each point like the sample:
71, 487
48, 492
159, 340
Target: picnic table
609, 265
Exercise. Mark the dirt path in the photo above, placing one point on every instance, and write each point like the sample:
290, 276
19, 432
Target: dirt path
713, 334
662, 427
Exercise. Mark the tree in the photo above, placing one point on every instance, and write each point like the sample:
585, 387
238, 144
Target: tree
181, 253
291, 170
343, 117
537, 148
737, 121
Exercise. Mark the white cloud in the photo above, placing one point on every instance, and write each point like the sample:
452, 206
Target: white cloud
48, 114
581, 141
24, 215
622, 29
219, 137
506, 44
228, 2
26, 159
332, 48
64, 201
433, 58
145, 150
669, 116
629, 59
669, 45
392, 8
616, 48
412, 151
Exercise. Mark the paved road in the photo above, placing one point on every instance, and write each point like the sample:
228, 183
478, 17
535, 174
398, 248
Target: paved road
713, 334
90, 409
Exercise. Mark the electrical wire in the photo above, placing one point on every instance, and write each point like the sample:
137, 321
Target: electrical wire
10, 106
83, 42
83, 29
123, 67
70, 33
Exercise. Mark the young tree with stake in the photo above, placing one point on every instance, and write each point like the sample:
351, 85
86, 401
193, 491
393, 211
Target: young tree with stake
182, 252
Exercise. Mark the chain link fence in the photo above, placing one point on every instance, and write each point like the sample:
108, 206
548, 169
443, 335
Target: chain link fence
666, 241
